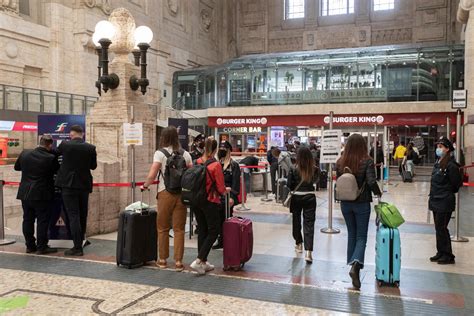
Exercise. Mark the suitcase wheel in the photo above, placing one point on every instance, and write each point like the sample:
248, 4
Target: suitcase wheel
397, 284
129, 266
118, 264
226, 268
242, 265
379, 283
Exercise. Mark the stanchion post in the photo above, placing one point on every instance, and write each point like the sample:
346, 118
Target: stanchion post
265, 185
330, 229
243, 207
3, 241
457, 237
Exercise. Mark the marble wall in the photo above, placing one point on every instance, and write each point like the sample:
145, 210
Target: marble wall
261, 26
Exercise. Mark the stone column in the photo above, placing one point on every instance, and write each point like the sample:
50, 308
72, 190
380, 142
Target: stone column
104, 129
465, 9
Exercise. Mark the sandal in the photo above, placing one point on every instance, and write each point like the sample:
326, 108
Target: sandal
162, 264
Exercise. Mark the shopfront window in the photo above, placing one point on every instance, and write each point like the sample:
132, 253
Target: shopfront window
337, 7
221, 88
290, 79
316, 78
240, 83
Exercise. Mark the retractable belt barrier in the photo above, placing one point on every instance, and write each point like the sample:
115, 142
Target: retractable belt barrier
3, 183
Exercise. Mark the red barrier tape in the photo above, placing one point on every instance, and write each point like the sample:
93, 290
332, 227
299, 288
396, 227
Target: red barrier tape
253, 167
107, 185
467, 184
468, 167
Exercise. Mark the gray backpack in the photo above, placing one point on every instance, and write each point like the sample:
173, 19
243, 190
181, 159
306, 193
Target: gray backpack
347, 188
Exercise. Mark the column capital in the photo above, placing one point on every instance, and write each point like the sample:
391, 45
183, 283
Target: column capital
465, 6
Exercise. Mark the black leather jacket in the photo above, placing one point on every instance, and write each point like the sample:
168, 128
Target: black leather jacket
367, 180
232, 179
444, 184
294, 179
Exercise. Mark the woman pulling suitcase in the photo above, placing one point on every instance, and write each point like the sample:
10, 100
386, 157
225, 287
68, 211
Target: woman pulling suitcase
301, 179
357, 212
446, 179
207, 215
231, 171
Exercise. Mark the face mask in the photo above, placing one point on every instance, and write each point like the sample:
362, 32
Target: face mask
221, 153
440, 152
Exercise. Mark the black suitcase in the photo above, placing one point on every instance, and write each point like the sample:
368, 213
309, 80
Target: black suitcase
406, 175
323, 179
137, 238
282, 191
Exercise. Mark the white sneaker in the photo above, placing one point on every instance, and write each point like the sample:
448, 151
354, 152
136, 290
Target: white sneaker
208, 267
299, 248
199, 267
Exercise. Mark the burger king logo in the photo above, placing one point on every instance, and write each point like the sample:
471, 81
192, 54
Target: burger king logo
219, 121
380, 119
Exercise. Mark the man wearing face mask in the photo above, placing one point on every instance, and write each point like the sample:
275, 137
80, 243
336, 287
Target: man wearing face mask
197, 147
446, 180
231, 170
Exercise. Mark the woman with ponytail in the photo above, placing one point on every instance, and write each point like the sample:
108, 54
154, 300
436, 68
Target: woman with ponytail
207, 215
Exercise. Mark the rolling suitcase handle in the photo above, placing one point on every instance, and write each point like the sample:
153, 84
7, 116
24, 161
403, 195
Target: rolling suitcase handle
227, 205
142, 210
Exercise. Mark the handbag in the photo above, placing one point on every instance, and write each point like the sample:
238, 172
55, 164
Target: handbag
287, 201
389, 215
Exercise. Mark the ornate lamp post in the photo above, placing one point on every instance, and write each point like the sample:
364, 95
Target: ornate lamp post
103, 37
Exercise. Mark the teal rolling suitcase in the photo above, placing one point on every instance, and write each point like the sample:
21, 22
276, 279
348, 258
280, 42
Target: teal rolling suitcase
388, 256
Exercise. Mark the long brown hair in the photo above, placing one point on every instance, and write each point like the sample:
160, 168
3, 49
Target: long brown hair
210, 146
355, 152
169, 138
305, 164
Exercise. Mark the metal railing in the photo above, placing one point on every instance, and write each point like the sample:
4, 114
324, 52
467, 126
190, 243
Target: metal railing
44, 101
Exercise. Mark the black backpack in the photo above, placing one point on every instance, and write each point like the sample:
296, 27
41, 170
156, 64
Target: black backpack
175, 167
416, 158
193, 183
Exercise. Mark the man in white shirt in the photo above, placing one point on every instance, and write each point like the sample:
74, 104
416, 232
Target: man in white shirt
171, 210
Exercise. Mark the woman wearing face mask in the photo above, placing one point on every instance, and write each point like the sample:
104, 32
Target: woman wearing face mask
232, 180
446, 179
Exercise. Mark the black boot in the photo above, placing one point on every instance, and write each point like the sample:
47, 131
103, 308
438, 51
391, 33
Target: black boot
436, 258
355, 275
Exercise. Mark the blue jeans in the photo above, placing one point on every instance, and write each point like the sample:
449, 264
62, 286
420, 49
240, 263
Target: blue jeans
357, 216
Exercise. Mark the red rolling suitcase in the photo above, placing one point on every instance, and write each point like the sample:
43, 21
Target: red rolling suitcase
238, 241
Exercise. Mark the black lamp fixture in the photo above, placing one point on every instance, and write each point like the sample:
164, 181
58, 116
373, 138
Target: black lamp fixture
143, 37
104, 32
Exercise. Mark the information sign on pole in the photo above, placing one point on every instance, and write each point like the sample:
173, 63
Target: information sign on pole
133, 134
459, 100
331, 146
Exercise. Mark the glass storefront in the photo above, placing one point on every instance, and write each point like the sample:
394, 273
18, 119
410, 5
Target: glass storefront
373, 74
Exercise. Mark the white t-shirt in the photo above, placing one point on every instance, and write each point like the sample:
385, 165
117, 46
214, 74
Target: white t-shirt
161, 158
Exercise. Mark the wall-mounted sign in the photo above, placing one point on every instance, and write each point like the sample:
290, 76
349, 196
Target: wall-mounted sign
182, 125
241, 130
374, 119
18, 126
241, 121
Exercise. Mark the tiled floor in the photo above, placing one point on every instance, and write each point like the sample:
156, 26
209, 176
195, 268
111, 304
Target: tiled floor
275, 281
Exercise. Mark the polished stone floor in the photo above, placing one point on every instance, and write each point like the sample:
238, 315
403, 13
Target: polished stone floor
275, 282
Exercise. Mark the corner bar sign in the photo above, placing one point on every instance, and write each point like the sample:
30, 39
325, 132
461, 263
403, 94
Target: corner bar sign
459, 99
331, 146
133, 134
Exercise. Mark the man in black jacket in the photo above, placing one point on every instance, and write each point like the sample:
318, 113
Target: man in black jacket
75, 180
36, 192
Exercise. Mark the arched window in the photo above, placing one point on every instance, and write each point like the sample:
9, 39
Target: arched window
337, 7
380, 5
294, 9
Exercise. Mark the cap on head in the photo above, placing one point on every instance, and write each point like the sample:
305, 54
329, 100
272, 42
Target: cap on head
446, 143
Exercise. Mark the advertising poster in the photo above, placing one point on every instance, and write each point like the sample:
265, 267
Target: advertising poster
59, 126
277, 138
182, 125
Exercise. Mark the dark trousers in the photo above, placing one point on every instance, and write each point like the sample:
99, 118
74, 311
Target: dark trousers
208, 219
273, 176
443, 238
39, 211
357, 216
76, 204
306, 205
